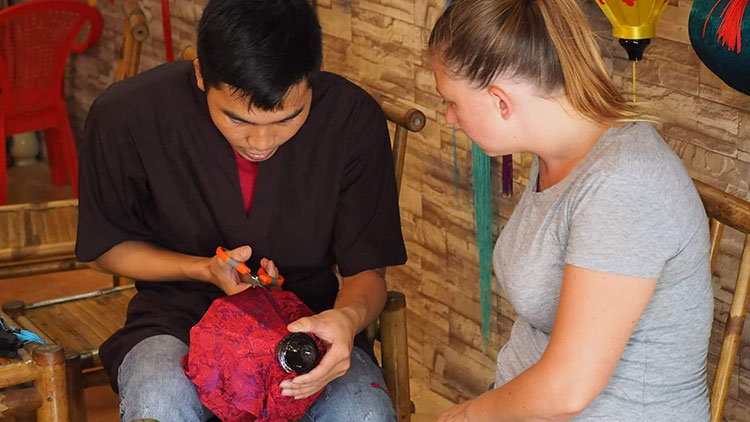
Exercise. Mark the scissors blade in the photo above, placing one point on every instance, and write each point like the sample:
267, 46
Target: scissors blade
255, 281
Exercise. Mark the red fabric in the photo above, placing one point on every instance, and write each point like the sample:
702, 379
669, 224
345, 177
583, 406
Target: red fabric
232, 358
248, 176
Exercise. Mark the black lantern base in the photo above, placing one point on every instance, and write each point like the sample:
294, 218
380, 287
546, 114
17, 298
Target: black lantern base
635, 48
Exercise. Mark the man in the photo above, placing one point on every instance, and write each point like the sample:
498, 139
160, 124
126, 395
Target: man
252, 148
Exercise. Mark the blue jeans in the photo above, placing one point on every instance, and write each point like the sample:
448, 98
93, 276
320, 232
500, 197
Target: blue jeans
152, 385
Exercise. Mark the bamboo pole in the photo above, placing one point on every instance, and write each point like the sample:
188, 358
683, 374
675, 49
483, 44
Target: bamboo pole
88, 295
126, 53
40, 266
13, 308
399, 154
31, 206
90, 359
51, 383
717, 228
732, 335
134, 32
728, 209
17, 373
394, 349
410, 118
18, 402
37, 251
137, 20
74, 385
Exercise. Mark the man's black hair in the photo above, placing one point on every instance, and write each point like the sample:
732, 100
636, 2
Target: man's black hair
260, 48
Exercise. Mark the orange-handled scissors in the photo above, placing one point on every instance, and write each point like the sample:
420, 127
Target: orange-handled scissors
261, 280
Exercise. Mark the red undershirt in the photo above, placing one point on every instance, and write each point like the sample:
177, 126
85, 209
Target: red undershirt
248, 176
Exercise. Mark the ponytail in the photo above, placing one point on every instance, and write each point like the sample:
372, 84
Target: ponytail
546, 42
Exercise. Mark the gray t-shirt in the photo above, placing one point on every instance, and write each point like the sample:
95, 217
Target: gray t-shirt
628, 208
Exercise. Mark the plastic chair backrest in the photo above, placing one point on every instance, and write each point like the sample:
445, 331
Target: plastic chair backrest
36, 38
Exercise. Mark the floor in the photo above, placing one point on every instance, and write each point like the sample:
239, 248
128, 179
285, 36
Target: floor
32, 184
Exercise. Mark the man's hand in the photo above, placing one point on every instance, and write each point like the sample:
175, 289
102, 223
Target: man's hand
335, 327
227, 278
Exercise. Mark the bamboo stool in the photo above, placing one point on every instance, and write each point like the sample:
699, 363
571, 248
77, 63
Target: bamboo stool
79, 325
44, 367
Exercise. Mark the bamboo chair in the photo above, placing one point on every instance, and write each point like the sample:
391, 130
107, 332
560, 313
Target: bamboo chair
81, 323
390, 329
38, 238
134, 33
725, 209
36, 382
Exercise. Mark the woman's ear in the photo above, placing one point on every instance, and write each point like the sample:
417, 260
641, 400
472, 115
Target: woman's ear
502, 101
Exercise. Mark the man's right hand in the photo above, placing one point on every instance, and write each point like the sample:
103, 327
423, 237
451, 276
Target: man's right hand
147, 262
227, 278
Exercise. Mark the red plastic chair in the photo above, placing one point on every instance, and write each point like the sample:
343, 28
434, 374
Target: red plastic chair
36, 38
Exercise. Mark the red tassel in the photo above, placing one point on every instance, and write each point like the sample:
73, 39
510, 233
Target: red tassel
730, 28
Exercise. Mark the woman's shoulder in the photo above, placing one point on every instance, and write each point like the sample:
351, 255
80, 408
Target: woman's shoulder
635, 154
637, 150
634, 163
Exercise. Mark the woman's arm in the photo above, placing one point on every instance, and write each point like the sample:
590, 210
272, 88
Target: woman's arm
595, 318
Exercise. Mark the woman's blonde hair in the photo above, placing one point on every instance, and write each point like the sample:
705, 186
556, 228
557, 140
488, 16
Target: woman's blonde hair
546, 42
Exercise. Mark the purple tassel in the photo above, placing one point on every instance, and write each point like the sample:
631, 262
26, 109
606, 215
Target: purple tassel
508, 175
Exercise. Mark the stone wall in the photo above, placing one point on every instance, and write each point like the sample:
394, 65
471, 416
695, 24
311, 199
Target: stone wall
380, 44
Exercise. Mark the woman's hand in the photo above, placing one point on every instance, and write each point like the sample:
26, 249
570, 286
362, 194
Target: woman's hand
336, 328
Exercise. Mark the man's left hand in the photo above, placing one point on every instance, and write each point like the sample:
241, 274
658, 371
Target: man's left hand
335, 327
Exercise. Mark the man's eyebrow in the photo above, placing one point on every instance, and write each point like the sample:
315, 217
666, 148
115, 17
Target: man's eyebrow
233, 116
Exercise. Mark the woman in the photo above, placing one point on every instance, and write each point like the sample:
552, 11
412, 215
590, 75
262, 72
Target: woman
605, 258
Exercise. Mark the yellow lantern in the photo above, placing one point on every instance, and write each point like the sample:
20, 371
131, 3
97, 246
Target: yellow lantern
633, 22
